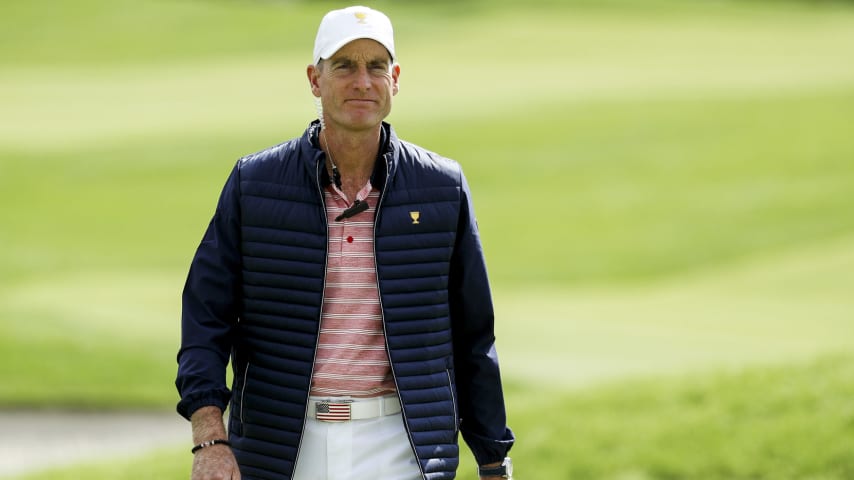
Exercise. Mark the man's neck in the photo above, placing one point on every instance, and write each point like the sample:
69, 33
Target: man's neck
354, 155
351, 150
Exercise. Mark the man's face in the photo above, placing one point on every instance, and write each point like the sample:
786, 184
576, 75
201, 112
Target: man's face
355, 85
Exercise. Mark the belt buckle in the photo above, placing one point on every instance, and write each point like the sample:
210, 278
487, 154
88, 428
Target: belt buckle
326, 411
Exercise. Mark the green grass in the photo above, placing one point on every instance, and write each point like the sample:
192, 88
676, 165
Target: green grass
172, 463
663, 189
640, 189
781, 423
766, 310
90, 341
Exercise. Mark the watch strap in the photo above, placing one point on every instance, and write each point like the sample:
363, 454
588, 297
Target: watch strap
499, 471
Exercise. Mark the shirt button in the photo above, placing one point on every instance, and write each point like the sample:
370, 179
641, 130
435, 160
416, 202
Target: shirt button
350, 239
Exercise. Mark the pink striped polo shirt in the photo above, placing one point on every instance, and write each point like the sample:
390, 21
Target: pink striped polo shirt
351, 355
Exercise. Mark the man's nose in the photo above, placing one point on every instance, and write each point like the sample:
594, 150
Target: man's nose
363, 78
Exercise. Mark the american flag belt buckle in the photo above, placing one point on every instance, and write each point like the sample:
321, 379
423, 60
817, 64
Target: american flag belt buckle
333, 411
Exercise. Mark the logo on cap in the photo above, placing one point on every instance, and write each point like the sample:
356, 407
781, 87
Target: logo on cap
361, 16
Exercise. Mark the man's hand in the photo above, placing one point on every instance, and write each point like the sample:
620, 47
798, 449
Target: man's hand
216, 462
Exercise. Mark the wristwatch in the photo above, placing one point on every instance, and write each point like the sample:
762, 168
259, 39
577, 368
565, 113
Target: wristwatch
505, 470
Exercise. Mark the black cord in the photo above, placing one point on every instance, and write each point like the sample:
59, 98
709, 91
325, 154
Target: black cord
210, 443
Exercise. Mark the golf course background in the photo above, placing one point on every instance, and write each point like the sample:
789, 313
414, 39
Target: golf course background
665, 191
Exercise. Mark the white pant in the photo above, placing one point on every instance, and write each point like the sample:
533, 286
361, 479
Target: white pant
370, 449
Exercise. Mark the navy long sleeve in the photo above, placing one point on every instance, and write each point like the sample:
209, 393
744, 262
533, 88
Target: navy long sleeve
210, 303
482, 412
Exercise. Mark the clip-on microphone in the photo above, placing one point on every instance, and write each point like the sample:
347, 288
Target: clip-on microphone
358, 207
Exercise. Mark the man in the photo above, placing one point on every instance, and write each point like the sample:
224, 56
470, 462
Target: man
342, 274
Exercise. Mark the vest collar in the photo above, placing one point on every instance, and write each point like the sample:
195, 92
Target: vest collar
384, 167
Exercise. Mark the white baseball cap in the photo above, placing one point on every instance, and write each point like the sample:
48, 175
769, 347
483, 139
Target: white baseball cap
340, 27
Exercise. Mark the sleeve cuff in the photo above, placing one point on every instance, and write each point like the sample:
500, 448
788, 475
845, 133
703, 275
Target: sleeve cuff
488, 450
196, 400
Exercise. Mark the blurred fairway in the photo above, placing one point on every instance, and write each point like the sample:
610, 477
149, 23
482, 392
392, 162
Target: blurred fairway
664, 190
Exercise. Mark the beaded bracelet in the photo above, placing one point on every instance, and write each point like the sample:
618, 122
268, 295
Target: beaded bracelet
209, 443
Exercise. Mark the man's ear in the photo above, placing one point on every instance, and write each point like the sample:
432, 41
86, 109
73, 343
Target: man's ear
313, 72
395, 79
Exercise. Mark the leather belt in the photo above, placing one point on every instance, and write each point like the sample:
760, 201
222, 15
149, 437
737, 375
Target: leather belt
337, 410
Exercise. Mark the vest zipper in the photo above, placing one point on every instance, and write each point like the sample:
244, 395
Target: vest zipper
454, 402
243, 392
322, 299
385, 331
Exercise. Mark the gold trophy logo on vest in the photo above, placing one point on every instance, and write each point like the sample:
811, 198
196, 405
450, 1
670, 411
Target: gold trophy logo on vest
415, 216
